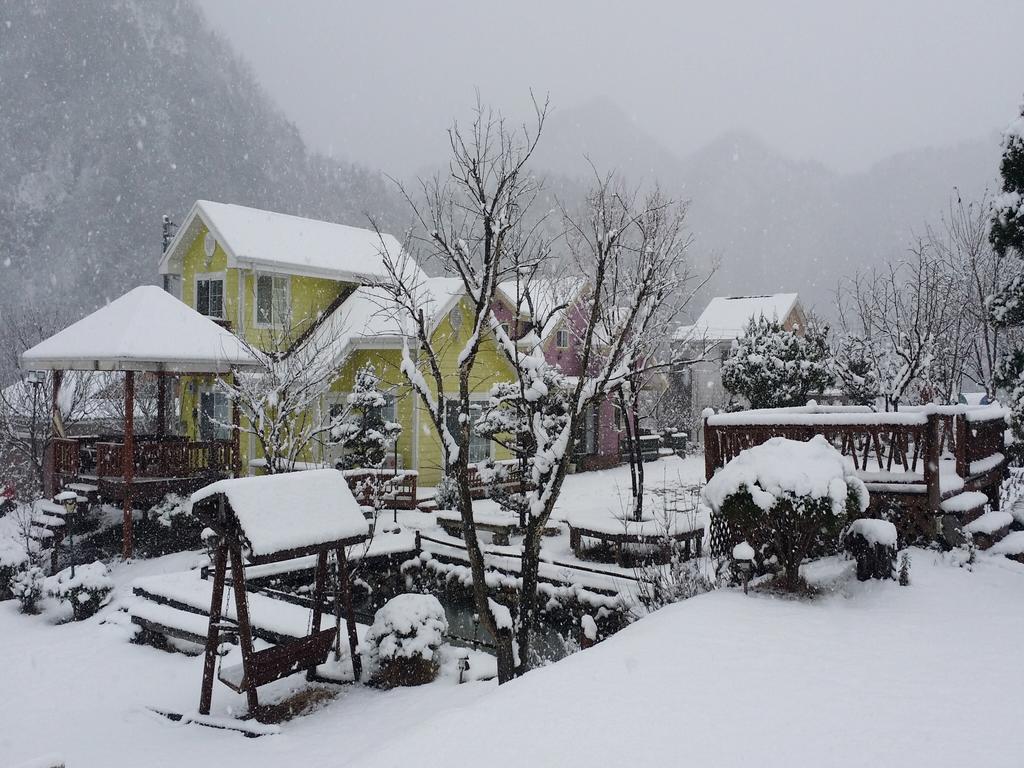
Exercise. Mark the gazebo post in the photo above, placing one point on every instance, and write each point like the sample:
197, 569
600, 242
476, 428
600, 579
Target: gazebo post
236, 432
128, 461
161, 405
50, 477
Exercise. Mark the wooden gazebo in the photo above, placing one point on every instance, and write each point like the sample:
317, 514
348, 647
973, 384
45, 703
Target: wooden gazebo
147, 330
267, 519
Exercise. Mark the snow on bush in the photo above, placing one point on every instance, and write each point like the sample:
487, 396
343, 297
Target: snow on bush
85, 592
27, 587
875, 531
404, 638
788, 499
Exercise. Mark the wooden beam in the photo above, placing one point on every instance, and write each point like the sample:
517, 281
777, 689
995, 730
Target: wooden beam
161, 404
213, 633
350, 614
128, 462
244, 625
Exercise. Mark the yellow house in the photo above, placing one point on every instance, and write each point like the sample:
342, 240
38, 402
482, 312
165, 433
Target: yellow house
267, 275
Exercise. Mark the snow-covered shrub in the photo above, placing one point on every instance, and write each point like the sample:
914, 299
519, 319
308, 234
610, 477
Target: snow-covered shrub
406, 634
27, 587
169, 527
446, 495
85, 592
788, 499
772, 367
661, 585
365, 435
905, 569
873, 544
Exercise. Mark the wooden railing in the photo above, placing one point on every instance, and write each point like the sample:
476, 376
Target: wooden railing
396, 490
938, 452
151, 457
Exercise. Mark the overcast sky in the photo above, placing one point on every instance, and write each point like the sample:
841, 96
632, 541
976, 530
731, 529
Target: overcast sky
843, 83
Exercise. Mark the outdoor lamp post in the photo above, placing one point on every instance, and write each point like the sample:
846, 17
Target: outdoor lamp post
463, 664
743, 554
70, 501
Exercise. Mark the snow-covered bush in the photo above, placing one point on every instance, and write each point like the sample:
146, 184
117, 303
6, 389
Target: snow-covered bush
169, 527
27, 587
365, 435
873, 544
85, 592
773, 368
788, 499
406, 634
446, 495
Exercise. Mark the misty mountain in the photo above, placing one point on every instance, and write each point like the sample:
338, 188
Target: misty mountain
113, 114
775, 223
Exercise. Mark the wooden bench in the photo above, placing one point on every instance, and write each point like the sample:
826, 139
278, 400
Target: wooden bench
500, 530
692, 541
279, 661
397, 491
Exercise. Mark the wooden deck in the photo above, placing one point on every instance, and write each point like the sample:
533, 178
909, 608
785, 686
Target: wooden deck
160, 465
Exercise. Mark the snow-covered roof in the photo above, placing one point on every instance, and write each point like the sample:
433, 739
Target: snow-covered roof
277, 242
551, 299
291, 511
726, 317
146, 329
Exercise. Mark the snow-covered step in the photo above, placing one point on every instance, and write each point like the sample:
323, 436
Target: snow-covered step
989, 528
1011, 545
966, 501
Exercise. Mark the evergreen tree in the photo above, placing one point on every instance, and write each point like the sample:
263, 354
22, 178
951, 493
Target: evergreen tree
363, 432
775, 368
855, 369
1007, 232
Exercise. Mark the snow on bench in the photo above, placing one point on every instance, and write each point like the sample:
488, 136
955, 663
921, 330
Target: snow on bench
273, 620
165, 620
649, 528
990, 523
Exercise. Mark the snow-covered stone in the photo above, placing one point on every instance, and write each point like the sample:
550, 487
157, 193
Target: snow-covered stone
875, 531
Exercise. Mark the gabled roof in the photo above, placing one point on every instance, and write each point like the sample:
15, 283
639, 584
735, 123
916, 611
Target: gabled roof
277, 242
726, 317
547, 296
146, 329
291, 512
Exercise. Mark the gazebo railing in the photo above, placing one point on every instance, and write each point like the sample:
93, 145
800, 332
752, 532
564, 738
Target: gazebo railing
151, 457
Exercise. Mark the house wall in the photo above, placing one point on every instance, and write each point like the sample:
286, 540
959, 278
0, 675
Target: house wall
490, 368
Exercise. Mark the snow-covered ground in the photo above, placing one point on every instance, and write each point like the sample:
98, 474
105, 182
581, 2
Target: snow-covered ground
925, 675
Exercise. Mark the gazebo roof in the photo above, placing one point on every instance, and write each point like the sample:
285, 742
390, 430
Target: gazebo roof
292, 513
146, 329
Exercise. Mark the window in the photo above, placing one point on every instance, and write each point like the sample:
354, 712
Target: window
271, 299
214, 416
562, 338
505, 328
479, 446
586, 442
210, 296
455, 318
389, 412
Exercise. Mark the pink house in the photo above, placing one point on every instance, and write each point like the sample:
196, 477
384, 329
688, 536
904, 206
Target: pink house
598, 445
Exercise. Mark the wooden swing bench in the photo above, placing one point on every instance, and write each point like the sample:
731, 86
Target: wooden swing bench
258, 515
278, 661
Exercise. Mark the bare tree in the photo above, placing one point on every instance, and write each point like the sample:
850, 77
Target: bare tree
976, 272
281, 401
27, 419
479, 226
906, 318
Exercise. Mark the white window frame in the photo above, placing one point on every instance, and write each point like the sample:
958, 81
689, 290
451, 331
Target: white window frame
210, 276
559, 335
199, 413
481, 399
274, 322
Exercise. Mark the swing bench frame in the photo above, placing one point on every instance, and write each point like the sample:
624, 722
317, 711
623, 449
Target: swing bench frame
262, 667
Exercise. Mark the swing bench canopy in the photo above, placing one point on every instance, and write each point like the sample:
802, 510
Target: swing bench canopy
282, 516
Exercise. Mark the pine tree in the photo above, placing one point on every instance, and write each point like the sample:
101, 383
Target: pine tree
854, 367
775, 368
363, 432
1007, 237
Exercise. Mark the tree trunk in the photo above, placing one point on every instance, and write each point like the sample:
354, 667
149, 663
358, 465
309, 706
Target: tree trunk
528, 596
